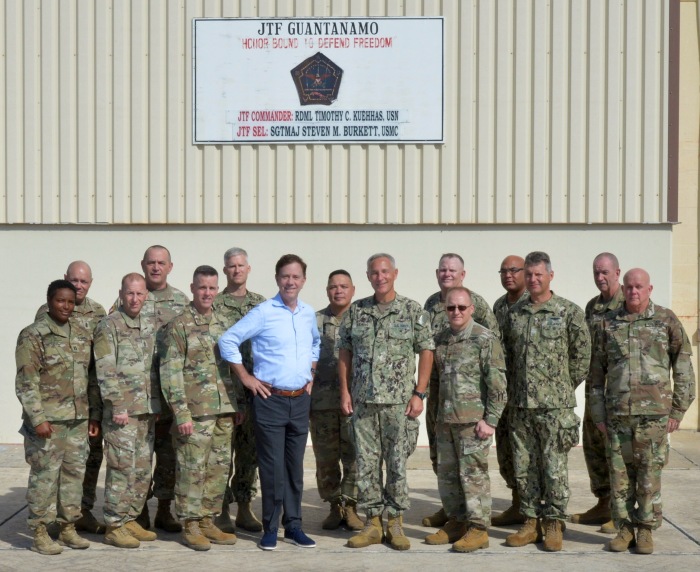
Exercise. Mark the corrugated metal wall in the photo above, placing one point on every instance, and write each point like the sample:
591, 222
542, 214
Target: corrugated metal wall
556, 112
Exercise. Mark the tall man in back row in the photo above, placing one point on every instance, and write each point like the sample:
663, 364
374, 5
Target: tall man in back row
548, 352
635, 404
378, 341
450, 273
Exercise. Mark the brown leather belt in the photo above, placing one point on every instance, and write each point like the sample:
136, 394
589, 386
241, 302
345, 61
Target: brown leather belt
285, 392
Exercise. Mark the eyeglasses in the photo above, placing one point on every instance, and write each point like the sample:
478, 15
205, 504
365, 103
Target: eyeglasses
460, 308
512, 271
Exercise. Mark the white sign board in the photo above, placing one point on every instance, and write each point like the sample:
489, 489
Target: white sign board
330, 80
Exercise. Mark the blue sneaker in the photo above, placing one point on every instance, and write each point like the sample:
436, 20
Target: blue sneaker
269, 540
297, 536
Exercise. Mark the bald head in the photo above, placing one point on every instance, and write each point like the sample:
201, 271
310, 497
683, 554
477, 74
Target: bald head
637, 288
513, 276
133, 294
80, 275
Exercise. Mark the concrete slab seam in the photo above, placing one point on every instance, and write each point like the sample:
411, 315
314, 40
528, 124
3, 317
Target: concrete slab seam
13, 515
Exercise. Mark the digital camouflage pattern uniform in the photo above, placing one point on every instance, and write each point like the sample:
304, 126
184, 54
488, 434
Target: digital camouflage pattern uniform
593, 439
384, 348
52, 385
632, 393
242, 475
472, 387
331, 431
504, 448
438, 320
123, 357
548, 351
88, 315
197, 386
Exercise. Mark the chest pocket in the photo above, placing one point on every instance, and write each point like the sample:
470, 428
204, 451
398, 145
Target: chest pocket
401, 330
553, 328
55, 359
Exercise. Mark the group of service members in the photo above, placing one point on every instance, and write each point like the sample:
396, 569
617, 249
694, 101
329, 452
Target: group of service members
150, 377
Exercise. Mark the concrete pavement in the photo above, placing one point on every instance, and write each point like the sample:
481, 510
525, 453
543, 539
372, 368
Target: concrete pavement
677, 542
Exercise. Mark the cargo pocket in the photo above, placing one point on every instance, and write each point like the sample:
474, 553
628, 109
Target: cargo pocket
568, 429
412, 429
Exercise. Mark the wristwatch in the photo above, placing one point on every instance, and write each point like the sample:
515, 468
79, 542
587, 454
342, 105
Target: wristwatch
418, 394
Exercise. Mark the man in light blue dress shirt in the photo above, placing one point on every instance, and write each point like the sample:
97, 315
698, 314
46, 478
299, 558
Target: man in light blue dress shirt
285, 344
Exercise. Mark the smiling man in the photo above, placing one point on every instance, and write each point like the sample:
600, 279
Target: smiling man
450, 273
285, 346
378, 342
548, 350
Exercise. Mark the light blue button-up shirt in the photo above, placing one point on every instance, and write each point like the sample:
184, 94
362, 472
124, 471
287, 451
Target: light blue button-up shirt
284, 343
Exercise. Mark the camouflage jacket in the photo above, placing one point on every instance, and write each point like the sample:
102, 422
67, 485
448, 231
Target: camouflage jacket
438, 321
326, 389
631, 362
88, 315
195, 381
52, 371
548, 351
501, 308
472, 375
384, 348
597, 308
228, 311
123, 356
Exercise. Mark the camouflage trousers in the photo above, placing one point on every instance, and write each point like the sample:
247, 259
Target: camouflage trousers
541, 441
92, 472
243, 466
129, 451
637, 452
383, 433
463, 473
56, 470
163, 485
431, 414
594, 452
202, 466
504, 449
334, 446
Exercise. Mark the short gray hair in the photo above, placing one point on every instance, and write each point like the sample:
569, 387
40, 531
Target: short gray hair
235, 251
537, 257
381, 255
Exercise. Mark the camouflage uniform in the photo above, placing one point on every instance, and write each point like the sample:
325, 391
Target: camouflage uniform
631, 392
548, 350
435, 306
331, 431
88, 314
51, 384
198, 388
384, 348
472, 387
593, 439
242, 474
123, 357
504, 448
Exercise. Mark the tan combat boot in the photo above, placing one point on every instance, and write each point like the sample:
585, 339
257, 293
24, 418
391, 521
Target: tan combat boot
451, 532
164, 518
245, 518
511, 515
119, 536
435, 520
395, 535
69, 537
192, 536
352, 520
553, 534
599, 514
88, 523
334, 518
623, 540
645, 544
43, 543
214, 534
372, 533
135, 530
144, 519
529, 533
474, 539
608, 527
223, 520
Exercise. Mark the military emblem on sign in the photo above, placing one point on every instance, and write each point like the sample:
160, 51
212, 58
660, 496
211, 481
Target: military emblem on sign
317, 80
